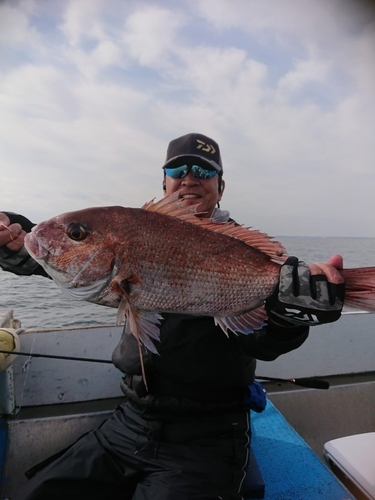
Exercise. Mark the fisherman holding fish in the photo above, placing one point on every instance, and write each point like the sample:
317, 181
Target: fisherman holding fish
183, 429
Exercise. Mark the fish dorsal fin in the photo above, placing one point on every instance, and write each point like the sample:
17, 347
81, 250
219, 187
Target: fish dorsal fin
171, 205
252, 237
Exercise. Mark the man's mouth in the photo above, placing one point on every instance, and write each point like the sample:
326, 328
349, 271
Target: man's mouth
190, 196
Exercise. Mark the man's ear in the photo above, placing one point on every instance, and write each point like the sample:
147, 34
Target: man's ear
221, 188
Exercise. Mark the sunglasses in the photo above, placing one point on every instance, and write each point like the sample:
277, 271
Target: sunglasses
182, 171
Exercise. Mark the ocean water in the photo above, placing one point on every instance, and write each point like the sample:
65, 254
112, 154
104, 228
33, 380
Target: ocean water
38, 303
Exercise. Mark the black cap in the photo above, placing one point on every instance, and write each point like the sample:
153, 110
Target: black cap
195, 146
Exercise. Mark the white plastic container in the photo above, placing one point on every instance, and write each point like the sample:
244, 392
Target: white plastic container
352, 459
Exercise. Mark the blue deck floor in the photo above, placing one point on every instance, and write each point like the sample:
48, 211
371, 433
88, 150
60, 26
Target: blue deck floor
290, 469
3, 436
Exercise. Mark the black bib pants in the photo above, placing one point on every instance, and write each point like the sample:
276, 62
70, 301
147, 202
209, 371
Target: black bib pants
132, 457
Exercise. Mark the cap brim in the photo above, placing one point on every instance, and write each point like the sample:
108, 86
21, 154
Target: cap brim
210, 163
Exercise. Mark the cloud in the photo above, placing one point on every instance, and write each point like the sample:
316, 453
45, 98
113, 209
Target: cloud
82, 21
150, 34
15, 27
92, 91
304, 72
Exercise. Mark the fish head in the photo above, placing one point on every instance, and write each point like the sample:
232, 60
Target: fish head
77, 249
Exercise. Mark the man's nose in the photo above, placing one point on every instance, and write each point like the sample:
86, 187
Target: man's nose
189, 180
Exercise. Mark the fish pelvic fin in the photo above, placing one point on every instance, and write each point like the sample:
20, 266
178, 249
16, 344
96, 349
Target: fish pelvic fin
359, 288
171, 205
244, 323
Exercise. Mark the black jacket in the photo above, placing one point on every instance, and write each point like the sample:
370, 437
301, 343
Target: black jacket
198, 367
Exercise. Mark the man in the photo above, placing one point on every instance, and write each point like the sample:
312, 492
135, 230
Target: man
186, 436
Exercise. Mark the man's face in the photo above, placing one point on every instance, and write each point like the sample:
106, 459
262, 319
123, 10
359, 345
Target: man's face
194, 191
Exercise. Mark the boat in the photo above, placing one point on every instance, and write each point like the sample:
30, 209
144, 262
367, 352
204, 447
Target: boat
46, 403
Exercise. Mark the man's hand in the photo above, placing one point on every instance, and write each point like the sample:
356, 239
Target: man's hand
11, 235
308, 294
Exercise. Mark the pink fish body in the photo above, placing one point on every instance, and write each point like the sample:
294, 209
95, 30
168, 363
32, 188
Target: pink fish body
145, 262
160, 258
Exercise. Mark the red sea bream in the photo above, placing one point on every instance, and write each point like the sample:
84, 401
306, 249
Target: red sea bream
162, 258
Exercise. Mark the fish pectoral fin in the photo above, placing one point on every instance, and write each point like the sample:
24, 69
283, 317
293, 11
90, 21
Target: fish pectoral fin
147, 326
244, 323
124, 287
144, 325
122, 310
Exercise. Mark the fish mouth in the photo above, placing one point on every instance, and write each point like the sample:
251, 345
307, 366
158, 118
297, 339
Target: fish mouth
35, 248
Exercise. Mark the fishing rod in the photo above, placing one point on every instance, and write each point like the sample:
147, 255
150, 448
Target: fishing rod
53, 356
310, 382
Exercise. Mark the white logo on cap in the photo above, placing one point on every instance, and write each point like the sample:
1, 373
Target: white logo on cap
206, 147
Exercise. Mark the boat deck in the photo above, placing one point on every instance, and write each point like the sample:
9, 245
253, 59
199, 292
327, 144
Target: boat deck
50, 403
289, 467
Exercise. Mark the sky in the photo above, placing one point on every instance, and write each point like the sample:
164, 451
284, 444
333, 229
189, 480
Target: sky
92, 91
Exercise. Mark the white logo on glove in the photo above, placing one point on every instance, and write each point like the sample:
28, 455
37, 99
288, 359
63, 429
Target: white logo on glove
296, 313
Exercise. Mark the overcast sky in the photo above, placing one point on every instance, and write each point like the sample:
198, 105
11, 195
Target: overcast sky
92, 91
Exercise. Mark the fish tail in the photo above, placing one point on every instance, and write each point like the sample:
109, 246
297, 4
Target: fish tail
360, 288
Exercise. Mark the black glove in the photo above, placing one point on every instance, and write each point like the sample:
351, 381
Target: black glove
303, 299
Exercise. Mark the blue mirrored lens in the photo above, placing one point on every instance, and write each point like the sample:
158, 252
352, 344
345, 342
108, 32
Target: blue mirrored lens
177, 172
198, 172
202, 173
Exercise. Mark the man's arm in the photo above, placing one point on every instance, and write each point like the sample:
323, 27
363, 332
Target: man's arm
13, 255
272, 340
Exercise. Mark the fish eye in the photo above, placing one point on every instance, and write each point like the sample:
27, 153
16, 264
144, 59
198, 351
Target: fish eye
77, 231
